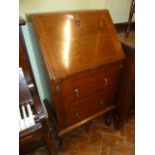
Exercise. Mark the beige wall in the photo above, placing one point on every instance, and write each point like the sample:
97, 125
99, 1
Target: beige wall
119, 9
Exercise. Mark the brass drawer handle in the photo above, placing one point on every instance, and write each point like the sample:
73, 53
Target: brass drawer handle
77, 23
77, 115
105, 81
76, 91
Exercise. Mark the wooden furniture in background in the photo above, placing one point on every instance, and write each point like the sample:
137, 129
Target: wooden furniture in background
132, 11
38, 128
83, 58
126, 93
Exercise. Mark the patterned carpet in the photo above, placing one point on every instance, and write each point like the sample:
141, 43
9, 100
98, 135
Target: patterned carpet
95, 138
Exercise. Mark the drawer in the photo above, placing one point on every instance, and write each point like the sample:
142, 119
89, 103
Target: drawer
87, 107
86, 83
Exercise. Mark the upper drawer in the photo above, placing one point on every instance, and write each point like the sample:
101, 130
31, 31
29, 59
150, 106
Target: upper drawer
84, 84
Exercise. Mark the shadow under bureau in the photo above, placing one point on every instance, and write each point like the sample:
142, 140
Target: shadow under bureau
83, 59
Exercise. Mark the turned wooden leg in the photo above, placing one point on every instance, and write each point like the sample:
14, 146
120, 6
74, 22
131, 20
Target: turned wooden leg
52, 125
48, 137
51, 147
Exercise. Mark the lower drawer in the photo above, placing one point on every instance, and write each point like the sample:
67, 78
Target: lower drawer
88, 107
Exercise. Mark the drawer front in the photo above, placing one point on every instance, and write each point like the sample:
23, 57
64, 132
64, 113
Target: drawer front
86, 83
87, 107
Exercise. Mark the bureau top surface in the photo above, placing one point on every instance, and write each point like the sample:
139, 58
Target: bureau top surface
72, 42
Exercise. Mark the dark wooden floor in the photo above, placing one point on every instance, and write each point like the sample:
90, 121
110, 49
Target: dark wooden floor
97, 139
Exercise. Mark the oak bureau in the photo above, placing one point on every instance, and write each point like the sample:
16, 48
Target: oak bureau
83, 58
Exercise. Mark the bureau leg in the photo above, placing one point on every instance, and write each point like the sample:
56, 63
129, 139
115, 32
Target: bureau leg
51, 147
52, 125
47, 135
108, 118
62, 143
117, 122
